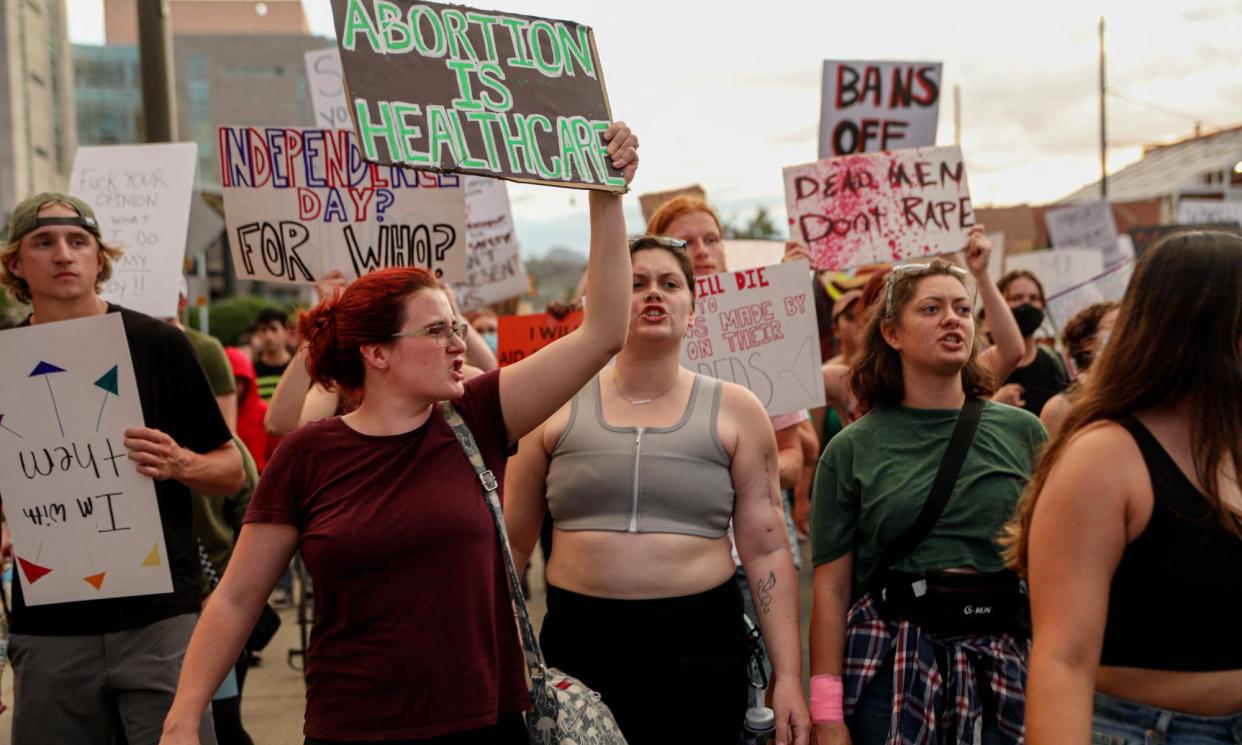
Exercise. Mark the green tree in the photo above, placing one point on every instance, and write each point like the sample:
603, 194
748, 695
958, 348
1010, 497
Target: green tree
759, 227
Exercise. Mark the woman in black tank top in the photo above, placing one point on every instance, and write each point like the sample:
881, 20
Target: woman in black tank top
1131, 532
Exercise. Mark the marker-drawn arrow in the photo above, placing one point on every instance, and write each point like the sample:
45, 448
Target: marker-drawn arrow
108, 383
33, 571
45, 369
7, 429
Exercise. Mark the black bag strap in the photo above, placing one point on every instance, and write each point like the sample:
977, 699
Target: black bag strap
942, 487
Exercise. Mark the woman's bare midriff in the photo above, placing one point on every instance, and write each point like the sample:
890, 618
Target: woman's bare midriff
637, 566
1207, 694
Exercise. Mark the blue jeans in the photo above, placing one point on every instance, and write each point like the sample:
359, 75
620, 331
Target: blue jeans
1120, 722
873, 714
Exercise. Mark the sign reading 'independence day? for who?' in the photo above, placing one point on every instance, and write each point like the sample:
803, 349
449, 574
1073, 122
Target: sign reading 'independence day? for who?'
449, 88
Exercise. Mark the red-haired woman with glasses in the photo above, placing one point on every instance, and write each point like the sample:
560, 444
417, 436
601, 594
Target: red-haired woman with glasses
887, 667
414, 637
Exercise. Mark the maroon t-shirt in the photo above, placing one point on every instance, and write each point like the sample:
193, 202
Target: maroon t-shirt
415, 634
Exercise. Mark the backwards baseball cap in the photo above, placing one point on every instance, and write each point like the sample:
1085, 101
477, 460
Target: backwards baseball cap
26, 215
844, 302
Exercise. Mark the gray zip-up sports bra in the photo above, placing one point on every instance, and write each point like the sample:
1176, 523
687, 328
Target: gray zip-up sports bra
642, 479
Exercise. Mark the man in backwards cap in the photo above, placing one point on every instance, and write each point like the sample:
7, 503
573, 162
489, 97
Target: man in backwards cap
79, 665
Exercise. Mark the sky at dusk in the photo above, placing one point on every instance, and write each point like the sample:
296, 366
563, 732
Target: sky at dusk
726, 96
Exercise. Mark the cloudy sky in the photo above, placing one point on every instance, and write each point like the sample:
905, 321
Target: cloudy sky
726, 98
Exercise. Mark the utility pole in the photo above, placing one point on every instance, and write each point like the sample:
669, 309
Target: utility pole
957, 115
159, 93
1103, 123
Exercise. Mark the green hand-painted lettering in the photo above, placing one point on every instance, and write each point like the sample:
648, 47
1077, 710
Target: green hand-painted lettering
463, 147
571, 151
438, 46
407, 133
601, 150
580, 51
396, 36
515, 142
358, 21
458, 42
466, 101
555, 67
440, 134
369, 131
491, 76
516, 28
486, 121
489, 35
532, 141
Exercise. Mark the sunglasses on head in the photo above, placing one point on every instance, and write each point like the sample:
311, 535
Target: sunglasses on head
639, 242
957, 271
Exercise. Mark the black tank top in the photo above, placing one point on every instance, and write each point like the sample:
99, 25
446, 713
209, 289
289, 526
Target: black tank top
1176, 598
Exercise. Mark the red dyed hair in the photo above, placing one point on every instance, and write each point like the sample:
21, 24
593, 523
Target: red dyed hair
875, 285
370, 311
674, 208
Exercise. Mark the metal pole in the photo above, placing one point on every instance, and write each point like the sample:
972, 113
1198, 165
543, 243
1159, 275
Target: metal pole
201, 263
957, 115
159, 93
1103, 122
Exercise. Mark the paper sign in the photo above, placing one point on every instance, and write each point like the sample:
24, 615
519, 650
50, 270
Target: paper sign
1109, 285
519, 337
872, 106
757, 328
879, 207
651, 202
1061, 269
450, 88
996, 259
494, 271
141, 197
1085, 226
85, 523
301, 202
751, 254
327, 88
1192, 211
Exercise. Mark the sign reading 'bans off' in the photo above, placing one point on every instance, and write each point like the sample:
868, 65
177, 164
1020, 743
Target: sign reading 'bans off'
879, 207
873, 106
449, 88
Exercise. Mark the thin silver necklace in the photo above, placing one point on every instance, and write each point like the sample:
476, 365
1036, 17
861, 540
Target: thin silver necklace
641, 401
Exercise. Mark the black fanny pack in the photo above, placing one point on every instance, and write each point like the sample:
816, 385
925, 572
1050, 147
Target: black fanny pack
948, 603
955, 603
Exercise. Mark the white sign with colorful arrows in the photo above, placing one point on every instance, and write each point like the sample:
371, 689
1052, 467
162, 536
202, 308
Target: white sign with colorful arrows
84, 522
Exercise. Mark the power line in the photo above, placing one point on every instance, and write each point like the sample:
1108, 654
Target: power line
1155, 107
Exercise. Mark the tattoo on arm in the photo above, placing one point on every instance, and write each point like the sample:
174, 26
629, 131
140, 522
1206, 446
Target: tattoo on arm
764, 586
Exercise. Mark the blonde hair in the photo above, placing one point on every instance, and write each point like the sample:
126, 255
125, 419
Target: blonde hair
20, 289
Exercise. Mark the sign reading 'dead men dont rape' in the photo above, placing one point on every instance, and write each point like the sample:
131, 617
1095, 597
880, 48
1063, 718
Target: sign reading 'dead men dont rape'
85, 523
450, 88
518, 337
757, 328
872, 106
141, 197
301, 202
879, 207
494, 270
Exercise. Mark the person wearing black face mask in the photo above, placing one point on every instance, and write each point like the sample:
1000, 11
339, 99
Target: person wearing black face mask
1041, 373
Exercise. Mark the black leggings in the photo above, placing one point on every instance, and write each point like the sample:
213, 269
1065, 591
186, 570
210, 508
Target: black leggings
671, 669
509, 730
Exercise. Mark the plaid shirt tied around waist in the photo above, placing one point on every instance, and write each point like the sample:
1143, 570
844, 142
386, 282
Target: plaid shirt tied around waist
936, 683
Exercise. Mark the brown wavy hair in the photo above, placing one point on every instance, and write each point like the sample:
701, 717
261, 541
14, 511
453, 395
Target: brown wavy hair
1081, 330
1176, 341
876, 378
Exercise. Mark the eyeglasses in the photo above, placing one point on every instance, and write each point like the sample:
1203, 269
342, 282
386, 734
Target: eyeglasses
638, 242
957, 271
441, 332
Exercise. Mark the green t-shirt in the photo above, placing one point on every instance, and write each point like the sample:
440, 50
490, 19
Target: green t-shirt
215, 362
217, 520
876, 474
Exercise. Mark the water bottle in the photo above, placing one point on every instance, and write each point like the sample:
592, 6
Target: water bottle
760, 726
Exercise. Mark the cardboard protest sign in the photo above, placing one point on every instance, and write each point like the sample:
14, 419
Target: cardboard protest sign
652, 201
879, 207
1085, 226
519, 337
494, 271
872, 106
1061, 269
751, 254
85, 523
327, 89
996, 260
1146, 236
757, 328
141, 197
301, 202
1192, 211
1108, 285
450, 88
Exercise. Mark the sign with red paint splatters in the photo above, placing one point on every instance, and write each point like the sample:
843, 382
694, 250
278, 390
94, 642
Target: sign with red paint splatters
872, 106
757, 328
879, 207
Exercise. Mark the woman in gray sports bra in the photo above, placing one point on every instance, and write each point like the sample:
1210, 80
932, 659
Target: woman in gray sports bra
642, 472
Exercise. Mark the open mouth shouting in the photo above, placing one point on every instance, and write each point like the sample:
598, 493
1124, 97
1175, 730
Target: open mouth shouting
653, 313
953, 340
457, 372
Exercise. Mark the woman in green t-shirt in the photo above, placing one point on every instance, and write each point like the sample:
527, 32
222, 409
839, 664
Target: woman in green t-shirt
902, 672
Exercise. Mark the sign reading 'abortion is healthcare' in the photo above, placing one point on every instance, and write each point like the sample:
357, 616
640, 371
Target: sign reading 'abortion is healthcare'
449, 88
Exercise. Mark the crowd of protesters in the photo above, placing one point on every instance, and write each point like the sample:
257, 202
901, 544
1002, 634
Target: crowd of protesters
1006, 548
